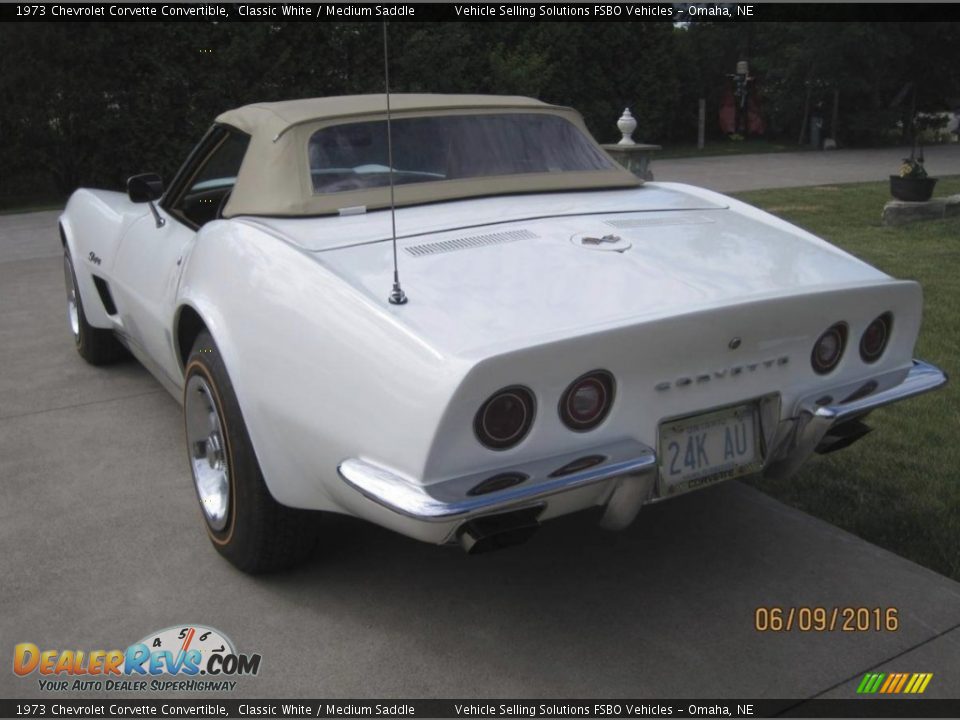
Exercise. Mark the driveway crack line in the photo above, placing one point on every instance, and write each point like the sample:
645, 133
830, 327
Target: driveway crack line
77, 405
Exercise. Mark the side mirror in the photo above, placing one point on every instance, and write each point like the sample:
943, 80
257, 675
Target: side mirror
145, 188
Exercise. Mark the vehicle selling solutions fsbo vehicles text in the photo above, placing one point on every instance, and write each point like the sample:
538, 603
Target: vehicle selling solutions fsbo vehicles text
600, 10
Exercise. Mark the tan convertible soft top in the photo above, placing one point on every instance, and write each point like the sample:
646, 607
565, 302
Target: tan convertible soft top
274, 178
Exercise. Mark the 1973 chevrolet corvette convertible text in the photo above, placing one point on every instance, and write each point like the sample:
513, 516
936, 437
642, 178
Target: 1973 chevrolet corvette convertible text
574, 337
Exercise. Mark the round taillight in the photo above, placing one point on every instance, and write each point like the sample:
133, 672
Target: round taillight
828, 349
505, 418
874, 339
586, 402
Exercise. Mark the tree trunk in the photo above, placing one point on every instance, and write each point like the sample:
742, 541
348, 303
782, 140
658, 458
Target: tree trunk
806, 114
836, 113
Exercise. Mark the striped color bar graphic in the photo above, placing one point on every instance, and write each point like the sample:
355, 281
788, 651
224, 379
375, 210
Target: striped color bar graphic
894, 683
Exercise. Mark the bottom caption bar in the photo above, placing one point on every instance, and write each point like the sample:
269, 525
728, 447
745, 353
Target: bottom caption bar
854, 708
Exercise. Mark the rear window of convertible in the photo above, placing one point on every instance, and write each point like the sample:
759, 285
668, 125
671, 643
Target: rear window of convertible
353, 156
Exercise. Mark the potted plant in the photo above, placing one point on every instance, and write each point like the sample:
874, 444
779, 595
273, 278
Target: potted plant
912, 183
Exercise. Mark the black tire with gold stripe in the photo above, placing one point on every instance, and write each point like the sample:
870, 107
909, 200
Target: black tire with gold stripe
245, 524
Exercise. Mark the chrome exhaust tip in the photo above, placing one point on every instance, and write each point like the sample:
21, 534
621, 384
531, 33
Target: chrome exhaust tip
493, 532
841, 436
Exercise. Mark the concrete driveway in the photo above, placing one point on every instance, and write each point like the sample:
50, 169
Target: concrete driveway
102, 544
780, 170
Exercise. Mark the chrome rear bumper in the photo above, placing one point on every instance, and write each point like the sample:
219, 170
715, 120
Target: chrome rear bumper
800, 435
450, 500
629, 467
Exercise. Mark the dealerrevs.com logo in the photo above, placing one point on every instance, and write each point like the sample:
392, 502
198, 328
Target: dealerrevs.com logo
184, 657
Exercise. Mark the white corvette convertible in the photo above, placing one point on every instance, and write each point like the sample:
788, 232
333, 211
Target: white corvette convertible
561, 335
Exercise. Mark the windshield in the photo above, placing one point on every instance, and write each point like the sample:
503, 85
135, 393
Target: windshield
353, 156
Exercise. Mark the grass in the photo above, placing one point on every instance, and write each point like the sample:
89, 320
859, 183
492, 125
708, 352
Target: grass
900, 486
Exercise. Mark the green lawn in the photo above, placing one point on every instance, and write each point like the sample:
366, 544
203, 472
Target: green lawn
900, 486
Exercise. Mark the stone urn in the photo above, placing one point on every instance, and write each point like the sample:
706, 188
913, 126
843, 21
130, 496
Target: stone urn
626, 125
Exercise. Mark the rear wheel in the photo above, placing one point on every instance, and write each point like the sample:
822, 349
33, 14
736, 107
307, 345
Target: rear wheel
245, 524
95, 345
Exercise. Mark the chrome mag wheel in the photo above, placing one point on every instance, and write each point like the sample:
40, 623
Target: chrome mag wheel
73, 311
206, 445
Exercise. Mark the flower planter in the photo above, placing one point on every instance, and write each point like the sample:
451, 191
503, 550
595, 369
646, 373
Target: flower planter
912, 189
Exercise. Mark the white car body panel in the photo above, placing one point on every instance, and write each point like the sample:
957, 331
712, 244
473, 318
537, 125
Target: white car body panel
492, 299
93, 222
326, 370
359, 228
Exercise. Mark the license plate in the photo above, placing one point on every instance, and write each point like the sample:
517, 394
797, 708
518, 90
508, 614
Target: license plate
704, 449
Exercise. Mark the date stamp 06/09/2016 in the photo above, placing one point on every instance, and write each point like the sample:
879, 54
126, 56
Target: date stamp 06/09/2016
826, 619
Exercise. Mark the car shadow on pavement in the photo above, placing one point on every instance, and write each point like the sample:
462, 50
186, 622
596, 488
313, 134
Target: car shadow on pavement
579, 611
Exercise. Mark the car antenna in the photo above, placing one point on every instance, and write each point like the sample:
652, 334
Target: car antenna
397, 295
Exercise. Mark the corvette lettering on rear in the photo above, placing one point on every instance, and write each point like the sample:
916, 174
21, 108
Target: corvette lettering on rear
724, 373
